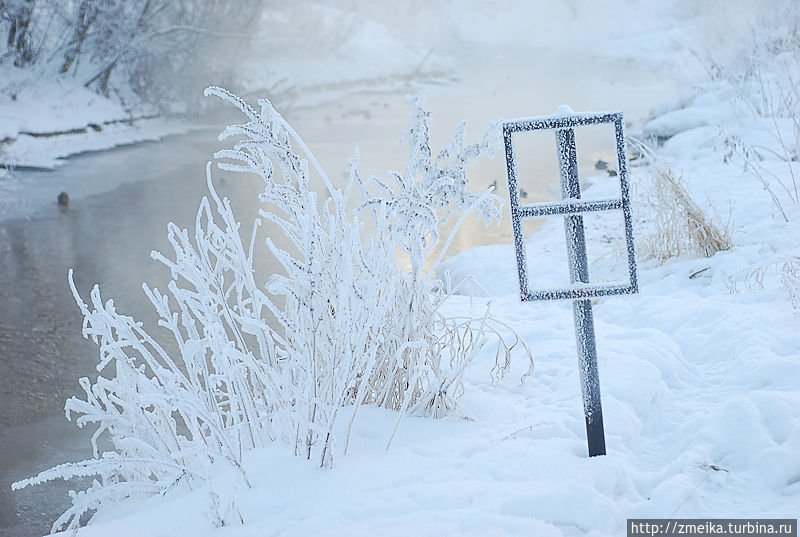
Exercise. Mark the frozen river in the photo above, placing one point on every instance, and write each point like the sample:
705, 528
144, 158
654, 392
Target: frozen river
121, 201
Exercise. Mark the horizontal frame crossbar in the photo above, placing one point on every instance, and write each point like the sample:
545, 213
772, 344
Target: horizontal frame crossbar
578, 293
569, 206
560, 122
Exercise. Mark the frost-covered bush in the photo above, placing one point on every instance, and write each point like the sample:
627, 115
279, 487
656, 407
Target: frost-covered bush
764, 71
782, 188
679, 225
342, 326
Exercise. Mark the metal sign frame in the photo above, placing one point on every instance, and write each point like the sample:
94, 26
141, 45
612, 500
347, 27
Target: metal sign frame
571, 207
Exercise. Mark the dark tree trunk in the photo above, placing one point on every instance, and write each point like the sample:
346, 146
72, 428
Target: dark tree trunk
19, 34
102, 78
84, 20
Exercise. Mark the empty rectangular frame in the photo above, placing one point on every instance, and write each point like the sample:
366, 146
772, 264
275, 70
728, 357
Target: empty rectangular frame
571, 204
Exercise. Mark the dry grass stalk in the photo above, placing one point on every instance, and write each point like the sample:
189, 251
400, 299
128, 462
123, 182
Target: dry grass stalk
682, 227
787, 270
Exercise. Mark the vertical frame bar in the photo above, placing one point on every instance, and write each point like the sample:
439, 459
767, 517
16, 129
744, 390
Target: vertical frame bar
516, 220
581, 308
625, 195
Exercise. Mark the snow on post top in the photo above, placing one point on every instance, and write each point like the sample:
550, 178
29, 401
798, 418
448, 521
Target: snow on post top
564, 110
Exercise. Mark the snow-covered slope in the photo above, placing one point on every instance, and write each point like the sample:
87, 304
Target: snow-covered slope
44, 119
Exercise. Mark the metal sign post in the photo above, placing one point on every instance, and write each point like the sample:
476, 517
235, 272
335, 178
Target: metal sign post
571, 207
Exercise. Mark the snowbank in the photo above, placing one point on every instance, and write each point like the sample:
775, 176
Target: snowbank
700, 384
48, 151
45, 119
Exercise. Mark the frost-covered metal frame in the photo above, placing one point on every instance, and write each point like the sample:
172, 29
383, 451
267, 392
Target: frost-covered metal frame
571, 207
571, 204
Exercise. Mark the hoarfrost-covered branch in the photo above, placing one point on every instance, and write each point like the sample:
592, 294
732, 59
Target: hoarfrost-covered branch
344, 324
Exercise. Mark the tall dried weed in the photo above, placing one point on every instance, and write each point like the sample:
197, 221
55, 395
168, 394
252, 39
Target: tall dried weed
680, 227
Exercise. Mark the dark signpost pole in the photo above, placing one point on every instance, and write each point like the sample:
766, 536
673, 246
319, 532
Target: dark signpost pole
581, 308
581, 291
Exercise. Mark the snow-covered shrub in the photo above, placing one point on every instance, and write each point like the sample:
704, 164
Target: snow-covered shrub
783, 191
357, 327
787, 270
344, 325
170, 417
764, 71
680, 225
790, 279
762, 67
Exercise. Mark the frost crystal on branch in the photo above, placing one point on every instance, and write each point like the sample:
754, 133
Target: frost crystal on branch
352, 326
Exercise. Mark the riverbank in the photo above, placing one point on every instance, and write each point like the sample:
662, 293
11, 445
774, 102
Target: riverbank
46, 118
299, 56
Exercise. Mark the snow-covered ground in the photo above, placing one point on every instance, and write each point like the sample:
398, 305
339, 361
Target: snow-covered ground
700, 385
701, 395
